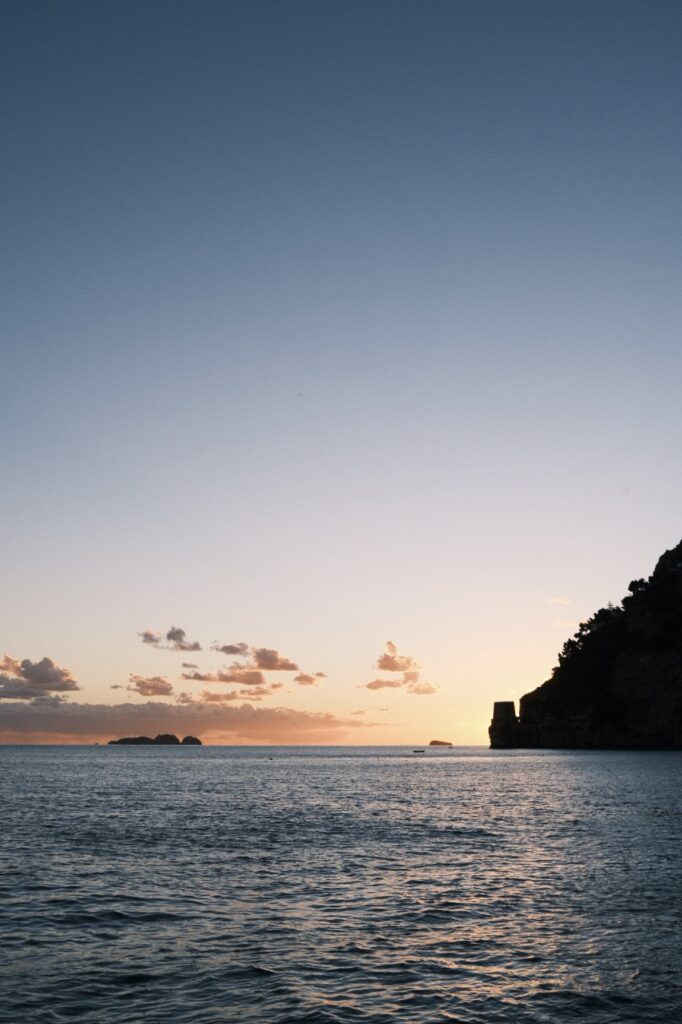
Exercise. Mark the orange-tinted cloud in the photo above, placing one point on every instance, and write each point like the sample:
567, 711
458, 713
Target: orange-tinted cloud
303, 679
241, 674
381, 684
391, 661
150, 686
272, 661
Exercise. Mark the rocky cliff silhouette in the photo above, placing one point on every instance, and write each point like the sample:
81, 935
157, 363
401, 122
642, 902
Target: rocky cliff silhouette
618, 684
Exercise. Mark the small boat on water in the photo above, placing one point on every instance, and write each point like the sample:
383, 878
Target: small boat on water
418, 751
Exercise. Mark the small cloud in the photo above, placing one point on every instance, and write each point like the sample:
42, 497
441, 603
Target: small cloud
241, 674
176, 640
240, 649
321, 675
365, 711
381, 684
189, 664
391, 661
559, 600
150, 686
176, 637
303, 679
421, 688
272, 661
149, 637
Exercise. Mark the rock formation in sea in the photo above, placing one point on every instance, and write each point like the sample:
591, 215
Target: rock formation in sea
440, 743
618, 684
164, 739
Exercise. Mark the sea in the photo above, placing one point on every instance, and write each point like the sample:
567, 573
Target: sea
283, 885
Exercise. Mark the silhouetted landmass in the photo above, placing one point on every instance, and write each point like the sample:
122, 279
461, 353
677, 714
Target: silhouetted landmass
166, 739
440, 743
618, 684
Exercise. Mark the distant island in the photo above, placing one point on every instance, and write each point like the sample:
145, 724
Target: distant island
618, 684
440, 743
164, 739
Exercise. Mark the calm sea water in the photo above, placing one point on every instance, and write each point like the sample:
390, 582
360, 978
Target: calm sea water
207, 885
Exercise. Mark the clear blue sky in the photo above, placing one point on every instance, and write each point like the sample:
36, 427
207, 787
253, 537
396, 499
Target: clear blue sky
325, 323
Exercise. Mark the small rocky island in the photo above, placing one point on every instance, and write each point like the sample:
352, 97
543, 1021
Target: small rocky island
618, 684
164, 739
440, 743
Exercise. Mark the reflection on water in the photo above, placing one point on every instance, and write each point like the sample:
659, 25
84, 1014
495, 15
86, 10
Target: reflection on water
208, 885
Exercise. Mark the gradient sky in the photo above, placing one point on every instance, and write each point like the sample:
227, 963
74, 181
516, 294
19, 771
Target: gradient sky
327, 324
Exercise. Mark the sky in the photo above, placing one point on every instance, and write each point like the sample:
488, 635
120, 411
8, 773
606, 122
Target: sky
348, 332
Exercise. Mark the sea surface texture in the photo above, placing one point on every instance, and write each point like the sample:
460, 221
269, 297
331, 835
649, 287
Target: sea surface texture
290, 885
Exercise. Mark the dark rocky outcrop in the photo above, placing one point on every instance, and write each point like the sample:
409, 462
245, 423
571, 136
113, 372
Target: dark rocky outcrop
618, 684
440, 743
164, 739
191, 741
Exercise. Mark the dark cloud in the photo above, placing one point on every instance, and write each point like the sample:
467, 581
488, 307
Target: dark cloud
241, 649
189, 664
79, 723
321, 675
303, 679
27, 680
391, 661
176, 640
150, 686
272, 661
384, 684
176, 637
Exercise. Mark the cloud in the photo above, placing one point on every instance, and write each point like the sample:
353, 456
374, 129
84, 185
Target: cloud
321, 675
148, 637
241, 674
176, 640
254, 693
272, 661
189, 664
559, 600
303, 679
381, 684
150, 686
391, 661
241, 649
71, 722
421, 688
27, 680
364, 711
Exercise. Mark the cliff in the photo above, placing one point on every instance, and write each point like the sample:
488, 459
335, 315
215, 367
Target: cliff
618, 684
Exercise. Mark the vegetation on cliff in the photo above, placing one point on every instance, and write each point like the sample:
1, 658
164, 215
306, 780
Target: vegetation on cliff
618, 683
